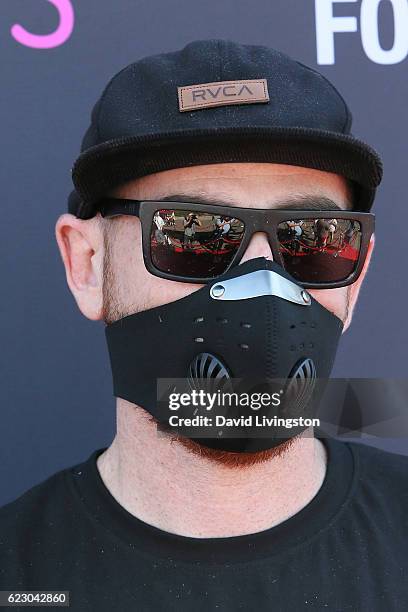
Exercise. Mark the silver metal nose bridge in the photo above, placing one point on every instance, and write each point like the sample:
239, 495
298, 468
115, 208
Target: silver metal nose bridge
258, 283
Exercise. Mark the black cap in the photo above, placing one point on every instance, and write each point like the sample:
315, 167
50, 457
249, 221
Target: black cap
216, 101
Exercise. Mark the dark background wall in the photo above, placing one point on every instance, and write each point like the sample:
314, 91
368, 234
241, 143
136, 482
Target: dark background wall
56, 397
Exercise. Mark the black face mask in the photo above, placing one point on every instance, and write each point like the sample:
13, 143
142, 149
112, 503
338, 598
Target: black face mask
253, 323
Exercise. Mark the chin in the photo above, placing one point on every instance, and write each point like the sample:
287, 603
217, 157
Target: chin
233, 459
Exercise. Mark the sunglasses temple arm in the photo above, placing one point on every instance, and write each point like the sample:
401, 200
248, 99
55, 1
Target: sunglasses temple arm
111, 207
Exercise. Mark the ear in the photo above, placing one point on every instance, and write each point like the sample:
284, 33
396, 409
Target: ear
82, 248
354, 289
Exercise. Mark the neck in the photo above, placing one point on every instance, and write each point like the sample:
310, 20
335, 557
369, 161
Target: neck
165, 485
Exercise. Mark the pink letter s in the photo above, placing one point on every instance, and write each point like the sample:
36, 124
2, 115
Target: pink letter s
48, 41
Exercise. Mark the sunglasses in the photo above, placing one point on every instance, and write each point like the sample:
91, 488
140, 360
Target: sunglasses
196, 243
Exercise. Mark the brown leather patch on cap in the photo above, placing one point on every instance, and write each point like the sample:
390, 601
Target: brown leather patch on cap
221, 93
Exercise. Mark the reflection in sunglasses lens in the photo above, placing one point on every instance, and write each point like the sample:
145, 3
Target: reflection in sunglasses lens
194, 244
320, 250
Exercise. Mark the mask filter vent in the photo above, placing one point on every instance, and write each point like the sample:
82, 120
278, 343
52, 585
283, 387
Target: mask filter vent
209, 373
299, 389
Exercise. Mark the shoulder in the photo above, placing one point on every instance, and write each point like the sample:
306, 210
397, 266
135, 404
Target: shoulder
47, 506
380, 462
33, 503
39, 525
382, 478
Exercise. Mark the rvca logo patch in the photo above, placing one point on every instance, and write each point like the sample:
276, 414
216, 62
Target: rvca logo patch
205, 95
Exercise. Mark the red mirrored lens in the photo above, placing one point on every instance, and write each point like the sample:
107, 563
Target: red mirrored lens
320, 250
194, 244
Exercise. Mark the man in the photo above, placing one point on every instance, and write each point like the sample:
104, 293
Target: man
159, 235
223, 227
167, 521
190, 222
322, 232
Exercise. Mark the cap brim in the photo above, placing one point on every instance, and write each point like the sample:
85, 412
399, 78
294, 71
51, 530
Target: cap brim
101, 168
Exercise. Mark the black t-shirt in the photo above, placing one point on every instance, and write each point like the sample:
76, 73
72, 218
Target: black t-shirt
346, 550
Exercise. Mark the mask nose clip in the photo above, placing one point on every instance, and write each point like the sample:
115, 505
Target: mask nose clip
259, 283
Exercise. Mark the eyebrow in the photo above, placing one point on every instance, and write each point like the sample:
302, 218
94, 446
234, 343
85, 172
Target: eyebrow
306, 202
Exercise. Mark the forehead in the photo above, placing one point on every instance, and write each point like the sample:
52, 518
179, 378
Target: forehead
242, 184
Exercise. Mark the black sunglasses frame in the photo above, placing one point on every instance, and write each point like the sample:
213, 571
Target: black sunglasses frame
255, 220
